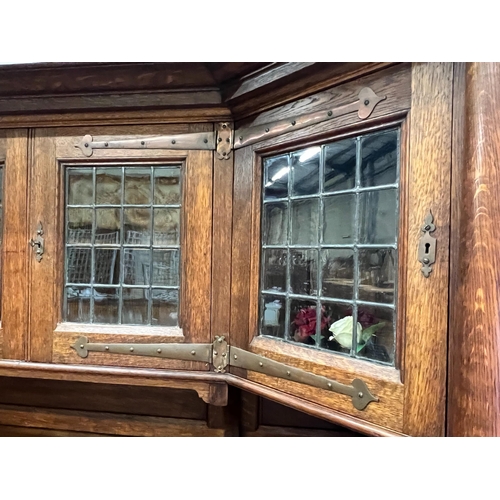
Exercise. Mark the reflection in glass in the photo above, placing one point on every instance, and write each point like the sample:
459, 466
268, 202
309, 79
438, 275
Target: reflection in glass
276, 173
114, 274
338, 204
273, 315
275, 223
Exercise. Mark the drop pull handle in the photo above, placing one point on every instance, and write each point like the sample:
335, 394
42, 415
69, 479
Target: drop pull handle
38, 242
427, 245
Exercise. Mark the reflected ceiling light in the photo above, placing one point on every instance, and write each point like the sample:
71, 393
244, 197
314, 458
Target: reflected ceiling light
309, 153
278, 175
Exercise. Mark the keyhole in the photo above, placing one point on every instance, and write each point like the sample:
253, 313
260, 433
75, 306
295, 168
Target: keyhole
427, 246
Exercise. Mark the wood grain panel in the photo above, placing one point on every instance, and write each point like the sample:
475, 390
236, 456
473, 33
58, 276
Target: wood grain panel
221, 249
474, 372
278, 85
104, 423
58, 394
279, 431
383, 382
427, 298
15, 246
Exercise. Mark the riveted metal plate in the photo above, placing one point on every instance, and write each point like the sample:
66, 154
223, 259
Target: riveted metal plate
427, 245
224, 141
192, 141
220, 354
358, 391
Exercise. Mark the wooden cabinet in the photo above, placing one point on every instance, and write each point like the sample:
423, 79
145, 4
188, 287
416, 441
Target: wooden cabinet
299, 247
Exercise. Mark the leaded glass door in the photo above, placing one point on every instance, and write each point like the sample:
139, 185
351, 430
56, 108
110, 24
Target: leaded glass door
127, 245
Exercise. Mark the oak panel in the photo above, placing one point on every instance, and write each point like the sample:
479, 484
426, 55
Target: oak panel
15, 249
427, 298
104, 423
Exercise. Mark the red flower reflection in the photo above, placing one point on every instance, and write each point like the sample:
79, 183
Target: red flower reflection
305, 322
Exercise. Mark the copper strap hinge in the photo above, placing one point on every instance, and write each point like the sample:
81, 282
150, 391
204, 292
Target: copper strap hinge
224, 140
221, 355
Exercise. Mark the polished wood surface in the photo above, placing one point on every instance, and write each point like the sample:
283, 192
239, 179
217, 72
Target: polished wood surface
427, 298
15, 249
474, 374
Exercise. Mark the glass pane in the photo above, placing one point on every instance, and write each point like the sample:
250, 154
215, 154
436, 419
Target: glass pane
167, 186
337, 336
338, 273
107, 222
377, 275
79, 225
79, 265
165, 268
138, 219
105, 270
135, 307
273, 312
303, 321
377, 223
275, 223
116, 252
304, 271
305, 222
379, 159
108, 186
306, 171
339, 219
78, 304
80, 186
274, 269
340, 165
106, 305
166, 226
134, 261
276, 173
138, 186
377, 336
165, 310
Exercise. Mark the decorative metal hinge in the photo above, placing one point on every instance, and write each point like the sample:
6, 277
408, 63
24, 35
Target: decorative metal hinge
221, 355
223, 140
427, 245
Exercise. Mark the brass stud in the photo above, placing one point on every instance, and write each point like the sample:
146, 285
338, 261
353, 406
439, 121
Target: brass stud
193, 353
227, 140
426, 260
219, 139
106, 348
360, 394
330, 113
288, 373
219, 368
158, 351
220, 340
106, 144
173, 141
260, 363
241, 138
224, 154
427, 227
294, 122
223, 354
215, 353
131, 349
367, 102
267, 130
142, 143
329, 385
86, 144
81, 346
224, 125
235, 357
205, 140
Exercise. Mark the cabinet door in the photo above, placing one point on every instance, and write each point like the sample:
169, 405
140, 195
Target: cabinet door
126, 245
330, 218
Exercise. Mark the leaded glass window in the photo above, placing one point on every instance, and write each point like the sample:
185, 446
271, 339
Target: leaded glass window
122, 244
329, 246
